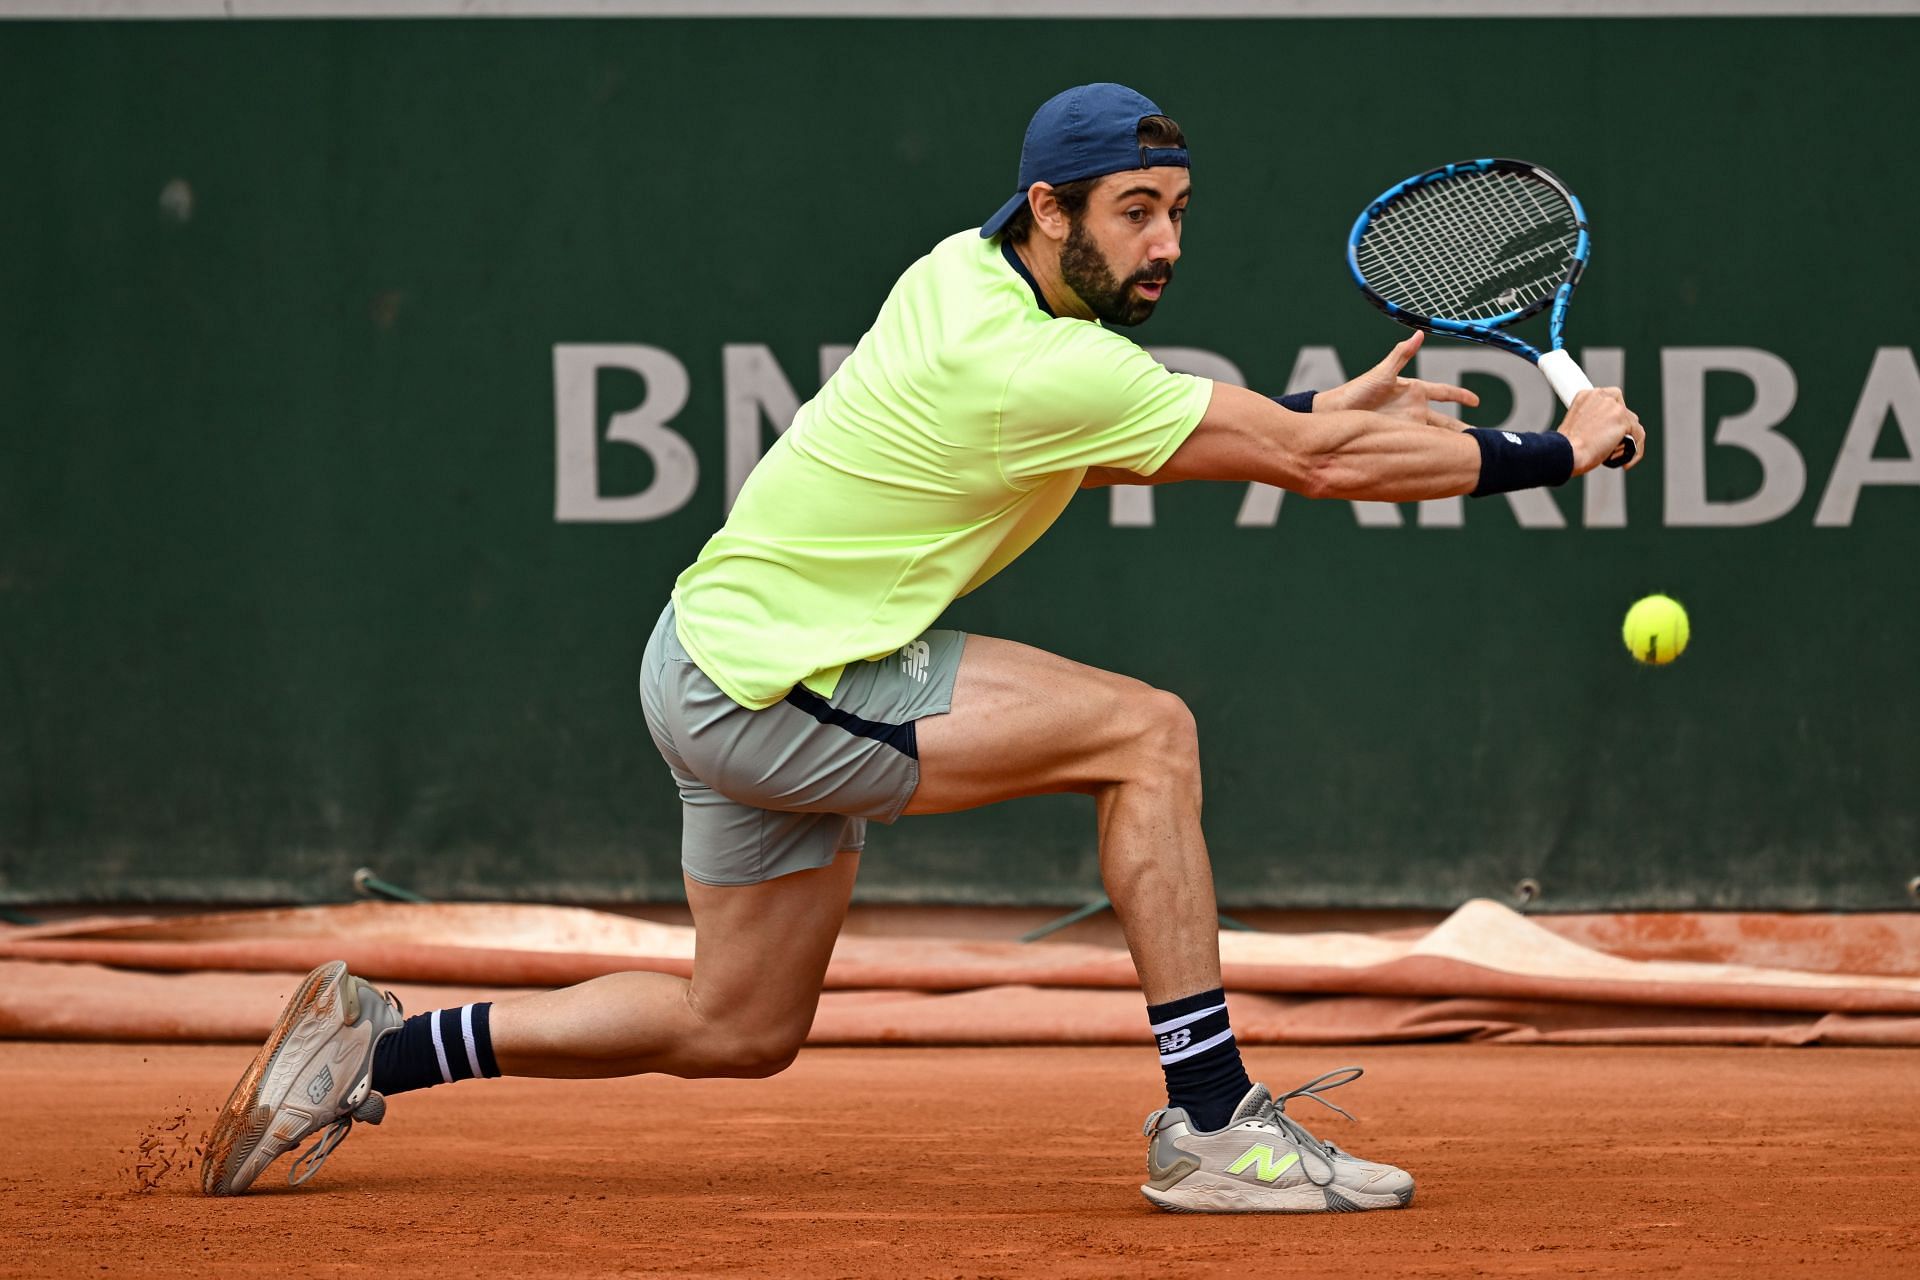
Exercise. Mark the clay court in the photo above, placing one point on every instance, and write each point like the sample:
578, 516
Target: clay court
988, 1162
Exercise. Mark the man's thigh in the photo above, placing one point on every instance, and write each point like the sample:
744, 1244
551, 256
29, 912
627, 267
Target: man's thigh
772, 791
763, 948
1027, 722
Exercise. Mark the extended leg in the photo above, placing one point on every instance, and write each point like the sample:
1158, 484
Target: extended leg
761, 953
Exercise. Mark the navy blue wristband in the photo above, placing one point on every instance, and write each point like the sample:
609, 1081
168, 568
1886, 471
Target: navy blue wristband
1298, 401
1512, 460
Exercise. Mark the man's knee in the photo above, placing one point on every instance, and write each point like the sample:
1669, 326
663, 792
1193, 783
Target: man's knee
1167, 738
749, 1054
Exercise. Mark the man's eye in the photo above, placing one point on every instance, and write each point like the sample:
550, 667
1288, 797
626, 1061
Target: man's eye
1136, 215
1179, 214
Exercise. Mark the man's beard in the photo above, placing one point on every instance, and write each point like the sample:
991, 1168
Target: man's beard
1086, 272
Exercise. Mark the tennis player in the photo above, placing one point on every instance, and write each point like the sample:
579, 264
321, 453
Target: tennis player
797, 692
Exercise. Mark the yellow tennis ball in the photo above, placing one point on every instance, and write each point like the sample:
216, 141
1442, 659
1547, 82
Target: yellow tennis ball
1656, 630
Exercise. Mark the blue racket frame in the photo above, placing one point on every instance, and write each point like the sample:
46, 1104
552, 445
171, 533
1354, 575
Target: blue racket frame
1491, 331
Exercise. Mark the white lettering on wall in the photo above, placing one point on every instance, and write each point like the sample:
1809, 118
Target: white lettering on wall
1604, 489
832, 356
755, 390
753, 387
1683, 438
1893, 387
576, 418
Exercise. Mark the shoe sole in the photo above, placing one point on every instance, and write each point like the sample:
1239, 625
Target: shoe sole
1236, 1199
245, 1119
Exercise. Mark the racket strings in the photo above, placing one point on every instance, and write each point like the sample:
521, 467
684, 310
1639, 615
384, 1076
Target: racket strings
1444, 241
1472, 248
1451, 244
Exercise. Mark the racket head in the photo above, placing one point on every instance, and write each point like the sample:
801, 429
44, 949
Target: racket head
1471, 248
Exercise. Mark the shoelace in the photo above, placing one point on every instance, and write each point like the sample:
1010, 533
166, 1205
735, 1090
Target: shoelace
309, 1161
316, 1155
1276, 1108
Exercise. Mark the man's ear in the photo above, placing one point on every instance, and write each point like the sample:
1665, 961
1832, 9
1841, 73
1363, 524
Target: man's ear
1048, 216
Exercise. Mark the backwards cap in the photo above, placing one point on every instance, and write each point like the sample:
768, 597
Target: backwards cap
1089, 131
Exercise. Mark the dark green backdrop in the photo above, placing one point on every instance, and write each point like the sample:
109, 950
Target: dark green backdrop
282, 590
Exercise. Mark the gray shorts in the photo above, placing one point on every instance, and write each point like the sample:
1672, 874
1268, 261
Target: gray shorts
785, 788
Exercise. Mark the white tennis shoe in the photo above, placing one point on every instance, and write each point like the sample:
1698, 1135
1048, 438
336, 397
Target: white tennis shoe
1265, 1161
314, 1072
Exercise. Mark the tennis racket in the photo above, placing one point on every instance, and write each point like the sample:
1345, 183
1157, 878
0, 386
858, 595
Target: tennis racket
1468, 250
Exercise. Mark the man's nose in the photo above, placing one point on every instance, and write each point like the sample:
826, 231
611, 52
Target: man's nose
1166, 242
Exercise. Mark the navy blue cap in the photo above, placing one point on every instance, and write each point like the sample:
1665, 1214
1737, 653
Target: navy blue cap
1089, 131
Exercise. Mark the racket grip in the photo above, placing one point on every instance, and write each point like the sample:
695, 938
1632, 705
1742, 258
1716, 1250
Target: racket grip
1568, 380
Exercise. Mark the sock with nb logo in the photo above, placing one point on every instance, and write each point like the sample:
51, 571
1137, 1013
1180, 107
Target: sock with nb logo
435, 1048
1200, 1057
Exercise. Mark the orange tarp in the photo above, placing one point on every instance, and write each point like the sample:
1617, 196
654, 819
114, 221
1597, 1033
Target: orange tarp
1483, 973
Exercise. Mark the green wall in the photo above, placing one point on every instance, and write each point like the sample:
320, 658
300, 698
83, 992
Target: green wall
284, 588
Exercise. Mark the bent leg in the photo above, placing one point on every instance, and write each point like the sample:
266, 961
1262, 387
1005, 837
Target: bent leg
760, 955
1028, 722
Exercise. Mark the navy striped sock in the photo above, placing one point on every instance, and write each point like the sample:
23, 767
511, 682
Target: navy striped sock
435, 1048
1200, 1057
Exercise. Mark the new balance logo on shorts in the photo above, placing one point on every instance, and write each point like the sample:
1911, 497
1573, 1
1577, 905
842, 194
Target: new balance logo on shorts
914, 659
1175, 1041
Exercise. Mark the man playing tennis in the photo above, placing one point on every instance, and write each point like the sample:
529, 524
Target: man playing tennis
796, 691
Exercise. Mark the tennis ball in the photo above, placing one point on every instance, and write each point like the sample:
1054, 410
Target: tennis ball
1656, 630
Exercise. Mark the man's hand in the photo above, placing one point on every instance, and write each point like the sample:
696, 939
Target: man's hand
1381, 389
1597, 423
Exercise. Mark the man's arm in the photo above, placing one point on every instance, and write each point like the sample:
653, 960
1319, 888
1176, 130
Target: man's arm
1361, 455
1343, 454
1382, 391
1101, 477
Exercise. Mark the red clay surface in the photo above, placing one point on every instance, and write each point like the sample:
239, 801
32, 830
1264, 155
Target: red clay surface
987, 1162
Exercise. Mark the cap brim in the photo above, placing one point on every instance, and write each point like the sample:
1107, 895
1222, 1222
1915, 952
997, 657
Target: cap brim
999, 219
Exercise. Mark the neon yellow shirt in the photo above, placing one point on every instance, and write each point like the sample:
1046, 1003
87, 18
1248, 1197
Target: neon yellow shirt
951, 438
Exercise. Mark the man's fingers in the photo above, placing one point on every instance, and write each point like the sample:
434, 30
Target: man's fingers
1632, 460
1402, 352
1633, 433
1435, 418
1449, 393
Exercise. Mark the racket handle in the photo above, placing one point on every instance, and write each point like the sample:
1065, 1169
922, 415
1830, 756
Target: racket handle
1568, 380
1565, 377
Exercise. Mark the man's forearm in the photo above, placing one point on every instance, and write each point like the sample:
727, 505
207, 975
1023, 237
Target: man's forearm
1375, 458
1359, 454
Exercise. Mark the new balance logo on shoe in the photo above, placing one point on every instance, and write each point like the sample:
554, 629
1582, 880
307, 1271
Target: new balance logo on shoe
1175, 1041
914, 658
1262, 1157
320, 1086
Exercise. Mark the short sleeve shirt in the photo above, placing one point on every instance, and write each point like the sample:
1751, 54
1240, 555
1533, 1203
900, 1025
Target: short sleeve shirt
951, 438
